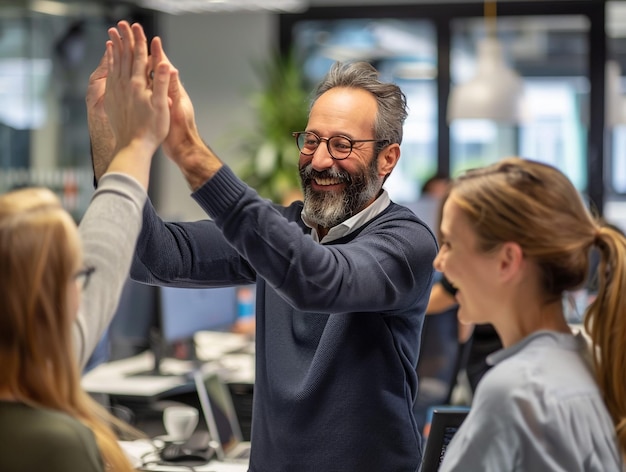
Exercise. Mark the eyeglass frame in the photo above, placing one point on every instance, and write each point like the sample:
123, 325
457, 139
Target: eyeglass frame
84, 274
297, 134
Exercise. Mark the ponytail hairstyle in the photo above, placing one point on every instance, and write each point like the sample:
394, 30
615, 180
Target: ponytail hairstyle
605, 321
40, 252
536, 206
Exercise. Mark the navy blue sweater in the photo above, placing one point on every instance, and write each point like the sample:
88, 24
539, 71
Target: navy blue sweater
338, 324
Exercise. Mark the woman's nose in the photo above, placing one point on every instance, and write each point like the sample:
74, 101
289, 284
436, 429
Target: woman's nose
438, 262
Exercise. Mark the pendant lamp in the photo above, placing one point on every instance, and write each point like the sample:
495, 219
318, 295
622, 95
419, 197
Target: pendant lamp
496, 91
176, 7
613, 102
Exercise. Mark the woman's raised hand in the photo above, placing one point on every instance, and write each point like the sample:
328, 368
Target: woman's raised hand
136, 97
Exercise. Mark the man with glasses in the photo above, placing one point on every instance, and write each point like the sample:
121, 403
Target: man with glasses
342, 278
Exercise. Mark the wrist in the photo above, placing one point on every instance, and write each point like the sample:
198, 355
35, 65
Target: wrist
138, 147
134, 159
199, 165
102, 144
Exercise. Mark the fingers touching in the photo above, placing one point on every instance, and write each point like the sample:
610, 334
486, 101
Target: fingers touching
137, 106
160, 87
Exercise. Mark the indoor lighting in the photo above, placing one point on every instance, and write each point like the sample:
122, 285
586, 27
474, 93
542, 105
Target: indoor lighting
206, 6
64, 8
614, 102
496, 91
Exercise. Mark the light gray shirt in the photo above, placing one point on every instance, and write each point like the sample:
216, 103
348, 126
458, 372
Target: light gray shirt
538, 409
109, 231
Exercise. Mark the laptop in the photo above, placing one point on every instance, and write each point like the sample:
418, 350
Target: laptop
443, 426
221, 418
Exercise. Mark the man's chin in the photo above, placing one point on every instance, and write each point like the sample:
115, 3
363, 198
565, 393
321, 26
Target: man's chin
325, 219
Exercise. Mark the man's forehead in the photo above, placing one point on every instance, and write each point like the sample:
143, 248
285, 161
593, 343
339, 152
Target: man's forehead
343, 111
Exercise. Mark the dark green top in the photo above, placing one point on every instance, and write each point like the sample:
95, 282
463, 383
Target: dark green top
34, 439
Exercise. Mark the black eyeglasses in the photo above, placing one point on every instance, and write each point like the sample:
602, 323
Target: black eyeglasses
339, 147
83, 276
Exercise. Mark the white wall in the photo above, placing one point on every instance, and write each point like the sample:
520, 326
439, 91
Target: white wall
213, 53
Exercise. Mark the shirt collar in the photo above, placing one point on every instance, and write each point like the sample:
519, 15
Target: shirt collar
352, 223
568, 341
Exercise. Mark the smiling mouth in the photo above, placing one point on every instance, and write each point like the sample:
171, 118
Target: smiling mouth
327, 182
454, 287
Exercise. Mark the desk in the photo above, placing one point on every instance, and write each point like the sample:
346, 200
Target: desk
140, 448
145, 396
116, 378
232, 354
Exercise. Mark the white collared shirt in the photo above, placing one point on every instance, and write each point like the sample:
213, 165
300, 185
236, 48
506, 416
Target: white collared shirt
352, 223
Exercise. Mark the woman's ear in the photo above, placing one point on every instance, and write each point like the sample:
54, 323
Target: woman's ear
511, 260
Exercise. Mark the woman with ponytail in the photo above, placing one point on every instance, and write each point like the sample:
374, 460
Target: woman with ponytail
59, 284
516, 237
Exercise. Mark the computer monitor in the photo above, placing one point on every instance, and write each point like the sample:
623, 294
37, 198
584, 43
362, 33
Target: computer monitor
135, 318
426, 209
184, 311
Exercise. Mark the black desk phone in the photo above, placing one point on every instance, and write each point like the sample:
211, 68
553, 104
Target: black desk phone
195, 451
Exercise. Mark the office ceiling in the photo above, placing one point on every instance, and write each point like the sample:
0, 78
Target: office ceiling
233, 5
544, 45
166, 6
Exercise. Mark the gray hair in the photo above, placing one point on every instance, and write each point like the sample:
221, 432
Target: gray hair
392, 107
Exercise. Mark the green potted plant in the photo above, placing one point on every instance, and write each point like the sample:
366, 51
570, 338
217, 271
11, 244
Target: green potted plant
270, 162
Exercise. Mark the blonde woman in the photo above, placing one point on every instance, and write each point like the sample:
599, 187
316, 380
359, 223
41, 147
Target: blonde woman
516, 236
47, 422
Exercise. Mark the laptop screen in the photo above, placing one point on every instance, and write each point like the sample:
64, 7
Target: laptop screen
219, 412
444, 424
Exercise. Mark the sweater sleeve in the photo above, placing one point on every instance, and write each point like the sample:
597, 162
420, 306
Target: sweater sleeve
386, 268
186, 254
109, 231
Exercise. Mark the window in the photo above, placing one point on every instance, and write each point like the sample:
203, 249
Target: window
45, 63
551, 56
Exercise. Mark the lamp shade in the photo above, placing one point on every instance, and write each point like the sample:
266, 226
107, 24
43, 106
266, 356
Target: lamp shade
495, 93
205, 6
614, 109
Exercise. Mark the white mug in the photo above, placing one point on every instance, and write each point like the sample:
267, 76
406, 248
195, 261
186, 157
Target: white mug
180, 422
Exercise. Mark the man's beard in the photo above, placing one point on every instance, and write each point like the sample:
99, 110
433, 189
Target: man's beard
328, 209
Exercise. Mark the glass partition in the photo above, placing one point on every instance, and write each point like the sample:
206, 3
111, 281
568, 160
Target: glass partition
46, 57
616, 45
551, 55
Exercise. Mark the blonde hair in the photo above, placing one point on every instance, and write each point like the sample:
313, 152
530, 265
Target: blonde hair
40, 251
536, 206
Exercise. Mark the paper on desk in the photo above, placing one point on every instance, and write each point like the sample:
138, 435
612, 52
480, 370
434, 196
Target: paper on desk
212, 345
115, 378
137, 450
